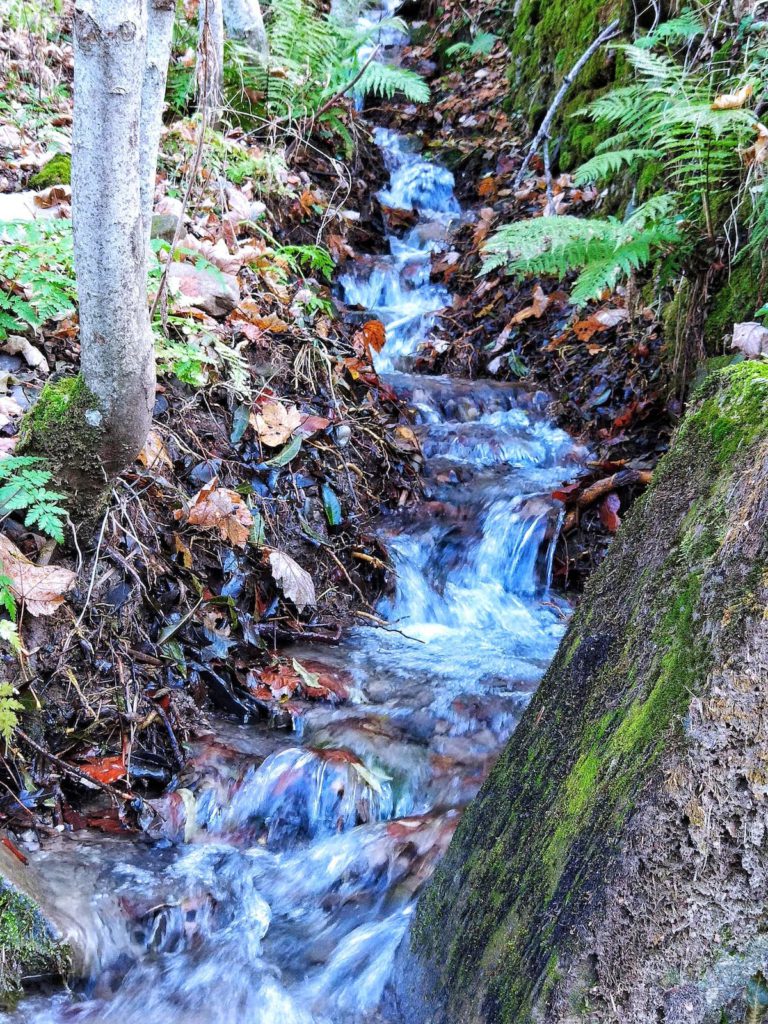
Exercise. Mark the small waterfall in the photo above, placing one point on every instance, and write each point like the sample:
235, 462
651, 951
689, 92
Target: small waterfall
282, 869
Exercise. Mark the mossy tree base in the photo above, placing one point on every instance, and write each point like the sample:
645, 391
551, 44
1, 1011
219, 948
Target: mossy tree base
29, 950
63, 426
616, 858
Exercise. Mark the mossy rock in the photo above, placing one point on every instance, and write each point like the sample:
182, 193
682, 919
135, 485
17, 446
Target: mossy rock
29, 948
545, 41
57, 171
737, 299
616, 856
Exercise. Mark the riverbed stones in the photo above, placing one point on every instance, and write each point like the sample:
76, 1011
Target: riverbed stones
615, 865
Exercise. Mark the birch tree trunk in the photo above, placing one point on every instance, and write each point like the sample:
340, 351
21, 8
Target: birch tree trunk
160, 17
119, 83
244, 21
210, 60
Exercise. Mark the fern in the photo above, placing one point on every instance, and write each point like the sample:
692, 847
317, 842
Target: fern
603, 250
25, 486
37, 274
480, 46
9, 704
311, 257
604, 165
688, 25
385, 80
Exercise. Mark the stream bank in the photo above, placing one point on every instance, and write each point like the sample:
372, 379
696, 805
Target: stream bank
613, 867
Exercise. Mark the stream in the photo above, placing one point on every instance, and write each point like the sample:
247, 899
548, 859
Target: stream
282, 879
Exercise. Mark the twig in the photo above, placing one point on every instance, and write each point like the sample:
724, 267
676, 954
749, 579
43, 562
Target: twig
76, 772
543, 133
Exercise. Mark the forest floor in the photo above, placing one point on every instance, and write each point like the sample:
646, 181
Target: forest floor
249, 519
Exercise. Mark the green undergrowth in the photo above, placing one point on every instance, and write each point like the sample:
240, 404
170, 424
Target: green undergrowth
529, 858
27, 947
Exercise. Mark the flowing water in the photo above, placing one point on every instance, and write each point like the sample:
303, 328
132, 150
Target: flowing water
279, 875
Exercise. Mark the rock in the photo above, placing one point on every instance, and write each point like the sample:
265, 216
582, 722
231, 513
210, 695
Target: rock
615, 860
213, 291
164, 226
31, 945
57, 171
751, 339
16, 206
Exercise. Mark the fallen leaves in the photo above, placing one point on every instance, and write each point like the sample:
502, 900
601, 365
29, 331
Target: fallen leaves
538, 306
375, 334
275, 423
217, 508
602, 320
295, 582
104, 769
751, 339
41, 588
757, 153
609, 513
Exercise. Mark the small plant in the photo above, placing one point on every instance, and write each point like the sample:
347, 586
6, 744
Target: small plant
37, 274
25, 486
481, 46
602, 250
312, 258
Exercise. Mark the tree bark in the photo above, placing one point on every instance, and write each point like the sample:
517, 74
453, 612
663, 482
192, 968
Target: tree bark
117, 358
244, 21
210, 60
159, 32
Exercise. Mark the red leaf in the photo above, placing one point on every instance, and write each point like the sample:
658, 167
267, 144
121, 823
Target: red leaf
104, 769
609, 512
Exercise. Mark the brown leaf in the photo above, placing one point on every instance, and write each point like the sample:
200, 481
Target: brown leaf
733, 100
154, 454
758, 151
40, 587
536, 309
104, 769
275, 423
602, 320
295, 582
216, 508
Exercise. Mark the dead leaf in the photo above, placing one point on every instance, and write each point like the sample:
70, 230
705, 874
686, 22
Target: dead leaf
750, 338
40, 587
104, 769
758, 151
733, 100
375, 334
154, 453
602, 320
275, 423
609, 513
295, 582
536, 309
217, 508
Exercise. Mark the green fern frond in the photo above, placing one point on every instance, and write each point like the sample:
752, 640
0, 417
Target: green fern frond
385, 80
604, 165
26, 487
686, 26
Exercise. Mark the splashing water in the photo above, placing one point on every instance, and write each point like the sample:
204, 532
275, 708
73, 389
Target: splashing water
282, 869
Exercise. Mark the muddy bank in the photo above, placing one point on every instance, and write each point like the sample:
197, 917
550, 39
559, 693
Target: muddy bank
613, 866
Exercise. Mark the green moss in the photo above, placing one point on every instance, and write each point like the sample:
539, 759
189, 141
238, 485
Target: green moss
736, 300
63, 427
27, 946
57, 171
545, 41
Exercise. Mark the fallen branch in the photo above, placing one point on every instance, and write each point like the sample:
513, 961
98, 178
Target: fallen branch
600, 488
543, 133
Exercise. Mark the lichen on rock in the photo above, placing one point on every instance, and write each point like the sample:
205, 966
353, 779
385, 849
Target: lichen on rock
618, 850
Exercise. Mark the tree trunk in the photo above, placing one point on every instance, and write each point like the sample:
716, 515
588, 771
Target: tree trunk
159, 32
614, 866
110, 255
210, 60
244, 21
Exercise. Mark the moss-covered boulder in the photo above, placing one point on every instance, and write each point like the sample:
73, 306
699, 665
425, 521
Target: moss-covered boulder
57, 171
615, 865
545, 41
30, 949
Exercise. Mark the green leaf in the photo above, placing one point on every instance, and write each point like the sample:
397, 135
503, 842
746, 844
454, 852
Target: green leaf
285, 455
331, 505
